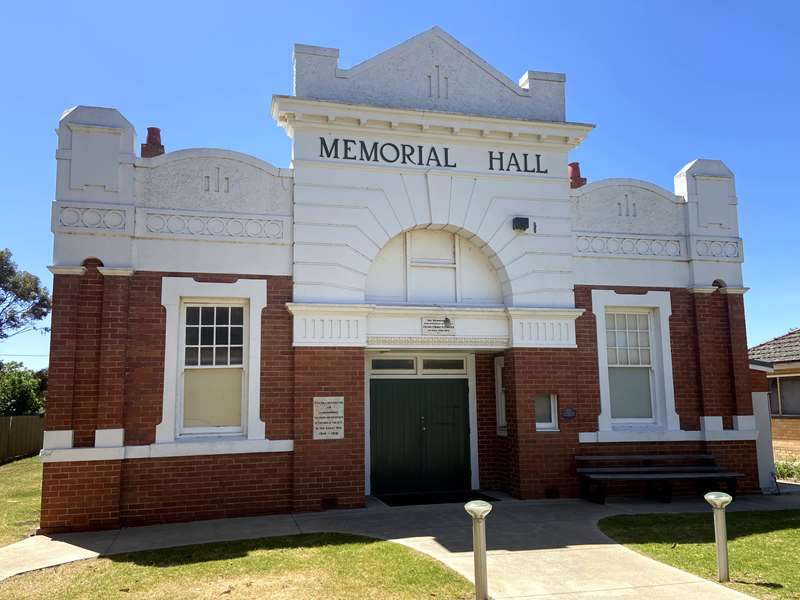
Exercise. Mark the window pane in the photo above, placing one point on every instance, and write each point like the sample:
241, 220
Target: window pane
642, 321
622, 357
612, 356
191, 357
633, 357
236, 355
222, 336
207, 315
630, 393
222, 315
193, 315
443, 364
212, 398
207, 336
221, 356
405, 364
773, 397
790, 395
544, 409
192, 336
206, 356
237, 315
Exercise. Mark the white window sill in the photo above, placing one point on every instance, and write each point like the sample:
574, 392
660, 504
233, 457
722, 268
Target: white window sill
195, 446
547, 430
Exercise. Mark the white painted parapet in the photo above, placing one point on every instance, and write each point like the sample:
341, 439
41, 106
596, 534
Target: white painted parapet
431, 71
198, 210
714, 245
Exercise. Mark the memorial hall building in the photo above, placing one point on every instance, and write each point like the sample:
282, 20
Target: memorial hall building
431, 298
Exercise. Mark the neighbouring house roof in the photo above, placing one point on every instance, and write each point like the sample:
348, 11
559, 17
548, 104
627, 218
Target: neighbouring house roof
783, 348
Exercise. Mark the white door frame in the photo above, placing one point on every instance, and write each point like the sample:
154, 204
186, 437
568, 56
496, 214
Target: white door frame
468, 374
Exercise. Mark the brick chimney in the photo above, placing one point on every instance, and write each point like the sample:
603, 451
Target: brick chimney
153, 147
574, 173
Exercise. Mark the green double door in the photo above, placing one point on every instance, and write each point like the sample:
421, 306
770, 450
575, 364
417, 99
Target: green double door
419, 435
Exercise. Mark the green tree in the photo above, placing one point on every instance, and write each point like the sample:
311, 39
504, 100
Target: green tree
23, 300
20, 390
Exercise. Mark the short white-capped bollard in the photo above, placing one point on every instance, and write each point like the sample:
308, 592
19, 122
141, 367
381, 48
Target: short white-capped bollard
718, 501
478, 509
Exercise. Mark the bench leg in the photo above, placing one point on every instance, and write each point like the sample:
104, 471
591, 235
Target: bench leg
583, 488
659, 491
732, 488
597, 492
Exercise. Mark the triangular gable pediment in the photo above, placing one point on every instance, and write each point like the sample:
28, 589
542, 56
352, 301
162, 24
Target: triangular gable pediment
431, 71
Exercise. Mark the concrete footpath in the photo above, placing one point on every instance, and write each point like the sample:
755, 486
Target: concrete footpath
537, 548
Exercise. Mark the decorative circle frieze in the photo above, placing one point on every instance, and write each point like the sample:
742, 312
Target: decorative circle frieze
92, 218
221, 227
627, 246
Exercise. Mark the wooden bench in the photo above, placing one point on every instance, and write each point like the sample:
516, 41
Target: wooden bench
657, 471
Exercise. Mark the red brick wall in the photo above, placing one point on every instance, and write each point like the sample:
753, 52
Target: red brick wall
492, 448
542, 463
328, 473
145, 355
759, 381
113, 329
786, 438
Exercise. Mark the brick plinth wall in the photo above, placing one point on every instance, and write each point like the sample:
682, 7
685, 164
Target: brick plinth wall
328, 473
80, 496
189, 488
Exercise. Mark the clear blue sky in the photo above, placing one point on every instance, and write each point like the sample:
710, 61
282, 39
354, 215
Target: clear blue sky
665, 82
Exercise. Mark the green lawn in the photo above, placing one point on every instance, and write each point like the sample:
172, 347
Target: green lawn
20, 499
764, 546
324, 565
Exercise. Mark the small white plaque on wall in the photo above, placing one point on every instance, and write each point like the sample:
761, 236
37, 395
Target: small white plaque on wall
438, 326
329, 418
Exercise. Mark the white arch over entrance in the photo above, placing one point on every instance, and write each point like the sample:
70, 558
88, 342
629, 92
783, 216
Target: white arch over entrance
432, 266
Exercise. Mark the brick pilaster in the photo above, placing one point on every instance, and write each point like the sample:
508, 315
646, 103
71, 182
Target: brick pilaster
740, 367
87, 355
61, 372
113, 351
713, 334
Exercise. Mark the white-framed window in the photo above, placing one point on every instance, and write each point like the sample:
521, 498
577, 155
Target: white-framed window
784, 395
630, 368
634, 361
500, 396
212, 360
392, 365
213, 394
546, 409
